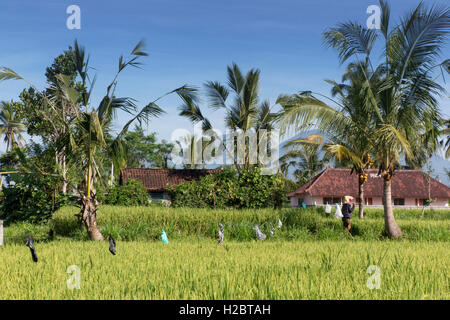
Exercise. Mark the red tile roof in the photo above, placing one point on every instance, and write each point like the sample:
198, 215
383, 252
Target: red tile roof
405, 184
157, 179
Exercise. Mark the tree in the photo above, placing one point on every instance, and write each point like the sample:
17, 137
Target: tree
139, 147
350, 141
305, 158
446, 142
144, 151
48, 120
244, 113
11, 128
83, 142
162, 155
404, 100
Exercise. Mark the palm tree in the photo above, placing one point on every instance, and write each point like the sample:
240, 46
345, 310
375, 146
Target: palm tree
350, 142
446, 142
187, 146
84, 141
11, 128
305, 158
403, 103
243, 114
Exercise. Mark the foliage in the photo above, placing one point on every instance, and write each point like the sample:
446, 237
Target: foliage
32, 198
250, 189
83, 136
143, 151
398, 96
305, 159
133, 193
244, 112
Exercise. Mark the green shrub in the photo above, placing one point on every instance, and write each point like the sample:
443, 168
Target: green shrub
32, 199
133, 193
225, 189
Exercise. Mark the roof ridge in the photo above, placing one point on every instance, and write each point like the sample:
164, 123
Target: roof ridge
438, 182
316, 178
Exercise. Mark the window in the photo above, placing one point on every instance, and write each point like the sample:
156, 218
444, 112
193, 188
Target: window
157, 195
369, 201
331, 200
399, 202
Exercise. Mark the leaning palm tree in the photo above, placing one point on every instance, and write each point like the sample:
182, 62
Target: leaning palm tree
11, 128
243, 112
404, 101
84, 141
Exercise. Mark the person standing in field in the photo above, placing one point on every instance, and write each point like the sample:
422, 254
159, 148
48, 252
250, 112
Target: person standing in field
347, 209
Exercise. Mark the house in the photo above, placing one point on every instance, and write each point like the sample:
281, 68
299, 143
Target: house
156, 180
409, 188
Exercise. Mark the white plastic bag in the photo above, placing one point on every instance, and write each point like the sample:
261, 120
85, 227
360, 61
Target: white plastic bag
338, 214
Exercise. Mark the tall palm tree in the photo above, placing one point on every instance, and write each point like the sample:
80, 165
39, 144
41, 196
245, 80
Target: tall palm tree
84, 141
350, 142
189, 148
404, 101
243, 112
11, 128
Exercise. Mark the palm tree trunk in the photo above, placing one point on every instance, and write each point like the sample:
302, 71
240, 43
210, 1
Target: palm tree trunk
64, 175
111, 183
390, 225
361, 199
3, 177
89, 216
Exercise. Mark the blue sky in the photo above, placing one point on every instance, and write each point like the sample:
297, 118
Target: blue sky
189, 41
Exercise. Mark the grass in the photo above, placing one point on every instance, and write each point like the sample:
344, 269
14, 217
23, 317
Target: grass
145, 223
308, 258
236, 270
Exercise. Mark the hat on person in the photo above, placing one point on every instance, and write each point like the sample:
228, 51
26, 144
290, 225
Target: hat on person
348, 198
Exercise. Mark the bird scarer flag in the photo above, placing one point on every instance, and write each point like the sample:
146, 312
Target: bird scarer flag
164, 237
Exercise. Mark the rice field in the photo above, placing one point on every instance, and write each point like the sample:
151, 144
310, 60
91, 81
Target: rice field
235, 270
308, 258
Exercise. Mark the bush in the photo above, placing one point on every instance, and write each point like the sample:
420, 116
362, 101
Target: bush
32, 199
225, 189
133, 193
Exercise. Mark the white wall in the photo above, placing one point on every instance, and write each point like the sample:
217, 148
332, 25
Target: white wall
294, 202
376, 201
